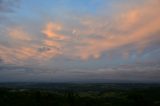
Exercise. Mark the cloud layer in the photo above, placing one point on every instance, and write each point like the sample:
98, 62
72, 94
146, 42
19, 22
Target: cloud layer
124, 33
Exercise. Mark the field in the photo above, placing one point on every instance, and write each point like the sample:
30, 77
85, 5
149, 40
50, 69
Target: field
63, 94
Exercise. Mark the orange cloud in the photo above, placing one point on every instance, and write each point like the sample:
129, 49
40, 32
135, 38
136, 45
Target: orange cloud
51, 31
22, 55
17, 55
28, 50
52, 43
18, 33
134, 27
129, 19
140, 25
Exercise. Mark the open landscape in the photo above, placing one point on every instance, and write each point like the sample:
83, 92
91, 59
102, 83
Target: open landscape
79, 52
79, 94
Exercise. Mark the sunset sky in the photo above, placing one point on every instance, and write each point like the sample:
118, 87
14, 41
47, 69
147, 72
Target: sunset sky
80, 40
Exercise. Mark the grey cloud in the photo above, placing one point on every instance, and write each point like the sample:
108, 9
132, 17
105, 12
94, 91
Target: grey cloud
137, 72
141, 72
43, 49
15, 73
8, 5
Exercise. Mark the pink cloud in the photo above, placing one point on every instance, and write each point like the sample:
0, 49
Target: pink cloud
52, 30
136, 25
17, 33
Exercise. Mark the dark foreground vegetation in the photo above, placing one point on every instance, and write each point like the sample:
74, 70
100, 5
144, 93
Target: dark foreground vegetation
79, 94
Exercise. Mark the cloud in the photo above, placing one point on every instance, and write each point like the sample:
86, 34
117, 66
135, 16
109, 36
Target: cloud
24, 73
27, 55
140, 72
17, 33
131, 28
51, 43
23, 47
84, 46
100, 34
8, 5
52, 30
90, 37
16, 55
135, 72
124, 73
135, 28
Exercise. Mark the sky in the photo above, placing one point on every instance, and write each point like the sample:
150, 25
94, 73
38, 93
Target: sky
79, 41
